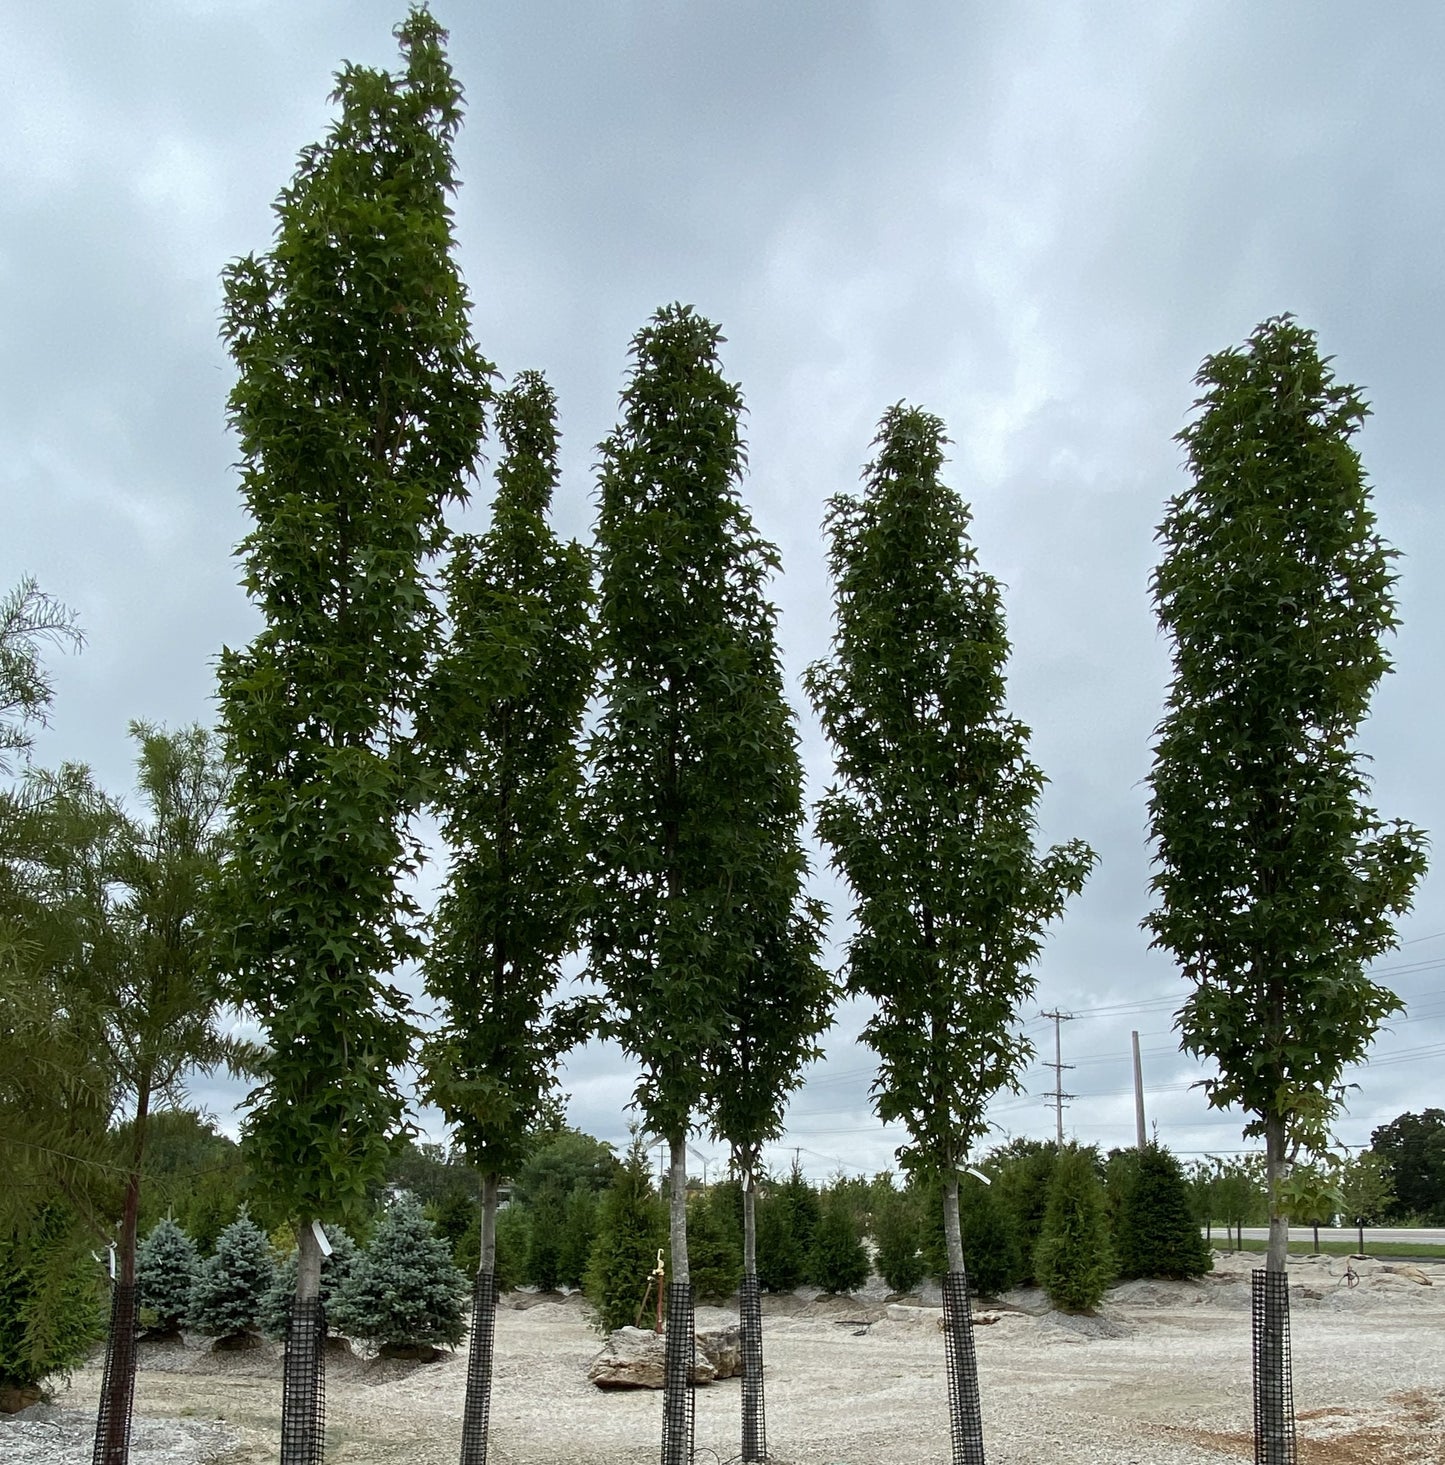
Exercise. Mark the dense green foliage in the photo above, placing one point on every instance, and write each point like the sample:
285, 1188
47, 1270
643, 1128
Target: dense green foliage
1412, 1148
167, 1263
1276, 884
897, 1234
693, 810
932, 817
1155, 1232
837, 1258
501, 722
714, 1252
52, 1306
230, 1284
1022, 1172
402, 1292
631, 1229
359, 407
1072, 1261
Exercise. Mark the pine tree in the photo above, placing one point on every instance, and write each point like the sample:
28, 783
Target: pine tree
1073, 1262
225, 1300
782, 1259
402, 1292
714, 1257
1156, 1234
165, 1271
631, 1229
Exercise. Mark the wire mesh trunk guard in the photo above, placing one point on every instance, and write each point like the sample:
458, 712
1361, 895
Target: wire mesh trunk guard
965, 1421
117, 1386
1274, 1431
750, 1316
678, 1396
477, 1413
303, 1387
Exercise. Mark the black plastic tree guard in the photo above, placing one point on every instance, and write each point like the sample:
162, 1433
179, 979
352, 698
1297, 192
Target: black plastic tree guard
1274, 1429
476, 1417
965, 1421
112, 1424
678, 1396
755, 1428
303, 1396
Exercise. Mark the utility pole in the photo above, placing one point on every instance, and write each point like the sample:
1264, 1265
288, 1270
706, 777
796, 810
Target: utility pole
1138, 1093
1058, 1065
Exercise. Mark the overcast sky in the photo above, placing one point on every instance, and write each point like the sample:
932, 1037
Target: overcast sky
1033, 219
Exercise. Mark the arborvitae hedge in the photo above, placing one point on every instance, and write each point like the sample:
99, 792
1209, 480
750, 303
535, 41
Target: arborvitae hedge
837, 1260
403, 1292
166, 1265
631, 1226
897, 1233
1021, 1173
1073, 1262
1156, 1234
226, 1297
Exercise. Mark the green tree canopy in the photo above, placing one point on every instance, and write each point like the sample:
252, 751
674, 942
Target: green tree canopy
359, 407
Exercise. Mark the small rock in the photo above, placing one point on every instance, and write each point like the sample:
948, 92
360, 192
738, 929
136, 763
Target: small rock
1414, 1274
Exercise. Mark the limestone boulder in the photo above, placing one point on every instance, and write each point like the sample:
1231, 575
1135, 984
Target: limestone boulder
633, 1358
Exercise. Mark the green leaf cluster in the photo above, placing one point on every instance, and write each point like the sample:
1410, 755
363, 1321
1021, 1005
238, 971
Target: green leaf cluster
359, 405
932, 817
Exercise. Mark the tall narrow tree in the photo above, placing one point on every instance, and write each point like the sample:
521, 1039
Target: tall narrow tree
932, 822
1276, 883
692, 755
360, 406
501, 725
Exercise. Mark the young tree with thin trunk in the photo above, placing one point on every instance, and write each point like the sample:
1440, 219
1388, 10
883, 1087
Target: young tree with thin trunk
1276, 883
501, 724
932, 817
360, 406
697, 869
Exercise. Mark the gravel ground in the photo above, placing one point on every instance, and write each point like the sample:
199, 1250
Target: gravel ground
1161, 1375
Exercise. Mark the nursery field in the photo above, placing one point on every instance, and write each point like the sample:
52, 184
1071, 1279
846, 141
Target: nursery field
1162, 1376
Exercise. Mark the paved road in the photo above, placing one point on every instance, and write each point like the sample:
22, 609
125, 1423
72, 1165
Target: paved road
1435, 1237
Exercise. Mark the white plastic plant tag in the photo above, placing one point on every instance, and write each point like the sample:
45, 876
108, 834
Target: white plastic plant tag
319, 1232
112, 1263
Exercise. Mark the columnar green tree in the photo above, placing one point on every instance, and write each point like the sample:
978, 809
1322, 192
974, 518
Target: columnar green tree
693, 815
501, 723
1276, 883
932, 817
359, 406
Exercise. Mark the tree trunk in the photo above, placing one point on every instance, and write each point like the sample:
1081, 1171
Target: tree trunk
1316, 1226
965, 1415
750, 1319
303, 1414
679, 1341
1273, 1386
117, 1396
477, 1411
1361, 1251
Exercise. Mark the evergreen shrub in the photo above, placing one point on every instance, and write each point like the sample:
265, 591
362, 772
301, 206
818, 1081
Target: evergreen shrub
403, 1293
52, 1306
631, 1227
166, 1265
546, 1215
579, 1231
225, 1300
897, 1233
1157, 1234
1022, 1172
838, 1260
714, 1258
1072, 1261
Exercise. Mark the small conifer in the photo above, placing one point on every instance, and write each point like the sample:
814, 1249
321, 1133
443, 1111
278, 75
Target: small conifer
898, 1233
1073, 1262
403, 1293
225, 1299
631, 1226
714, 1257
838, 1261
335, 1269
166, 1265
1156, 1233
